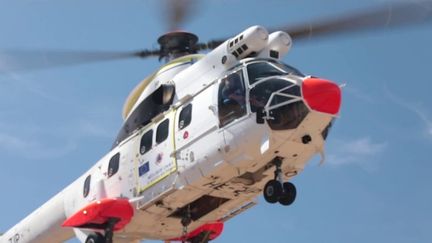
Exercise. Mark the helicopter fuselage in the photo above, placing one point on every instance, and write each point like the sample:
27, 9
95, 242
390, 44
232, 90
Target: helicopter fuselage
201, 138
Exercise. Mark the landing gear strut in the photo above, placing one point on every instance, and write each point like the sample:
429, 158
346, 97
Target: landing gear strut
95, 238
186, 221
203, 237
278, 191
108, 230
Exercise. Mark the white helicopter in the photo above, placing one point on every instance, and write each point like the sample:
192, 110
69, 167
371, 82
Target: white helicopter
203, 136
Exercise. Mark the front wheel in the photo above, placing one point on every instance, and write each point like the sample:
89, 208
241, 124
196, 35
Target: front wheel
289, 194
272, 191
95, 238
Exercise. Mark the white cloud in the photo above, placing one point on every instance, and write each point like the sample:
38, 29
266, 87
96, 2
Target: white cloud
361, 151
4, 65
38, 142
94, 129
33, 149
359, 94
9, 142
31, 85
415, 108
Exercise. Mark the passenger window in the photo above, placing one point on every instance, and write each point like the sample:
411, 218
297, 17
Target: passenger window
232, 101
162, 131
86, 189
146, 142
113, 165
185, 117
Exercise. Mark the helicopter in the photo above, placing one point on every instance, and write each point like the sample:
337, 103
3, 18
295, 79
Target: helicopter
191, 155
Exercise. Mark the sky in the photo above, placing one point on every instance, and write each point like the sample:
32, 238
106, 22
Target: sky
375, 185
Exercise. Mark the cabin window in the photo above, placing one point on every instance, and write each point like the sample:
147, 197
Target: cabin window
113, 165
185, 117
232, 101
86, 189
146, 142
162, 131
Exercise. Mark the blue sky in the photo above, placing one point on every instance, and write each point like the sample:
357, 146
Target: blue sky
374, 187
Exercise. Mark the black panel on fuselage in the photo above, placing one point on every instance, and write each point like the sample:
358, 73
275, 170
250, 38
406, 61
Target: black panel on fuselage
149, 108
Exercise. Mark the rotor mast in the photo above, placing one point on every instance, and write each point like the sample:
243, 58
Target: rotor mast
177, 44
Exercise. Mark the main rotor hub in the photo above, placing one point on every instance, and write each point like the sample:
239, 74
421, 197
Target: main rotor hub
177, 44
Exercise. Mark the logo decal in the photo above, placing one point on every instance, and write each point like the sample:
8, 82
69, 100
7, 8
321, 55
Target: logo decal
144, 168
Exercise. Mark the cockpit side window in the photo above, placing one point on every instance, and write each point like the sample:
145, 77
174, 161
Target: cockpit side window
232, 99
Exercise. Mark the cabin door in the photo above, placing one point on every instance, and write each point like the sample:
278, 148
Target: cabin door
156, 147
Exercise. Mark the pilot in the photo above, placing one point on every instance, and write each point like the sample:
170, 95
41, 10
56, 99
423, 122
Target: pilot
232, 92
256, 101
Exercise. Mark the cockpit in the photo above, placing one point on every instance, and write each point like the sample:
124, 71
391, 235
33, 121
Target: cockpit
265, 87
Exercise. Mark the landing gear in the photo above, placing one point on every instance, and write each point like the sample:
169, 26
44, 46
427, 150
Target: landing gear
95, 238
186, 221
289, 194
108, 230
272, 191
278, 191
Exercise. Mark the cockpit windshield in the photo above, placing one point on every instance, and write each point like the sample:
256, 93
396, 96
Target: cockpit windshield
261, 94
280, 101
273, 95
262, 69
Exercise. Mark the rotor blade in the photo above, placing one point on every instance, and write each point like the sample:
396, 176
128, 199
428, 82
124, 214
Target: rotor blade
393, 15
178, 11
26, 60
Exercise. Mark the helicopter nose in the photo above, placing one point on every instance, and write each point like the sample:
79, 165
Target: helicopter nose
322, 95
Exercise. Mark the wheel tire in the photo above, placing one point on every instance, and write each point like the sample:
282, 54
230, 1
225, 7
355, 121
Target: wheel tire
95, 238
289, 194
272, 191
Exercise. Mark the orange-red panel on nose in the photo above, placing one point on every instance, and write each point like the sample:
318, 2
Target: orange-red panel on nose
322, 95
